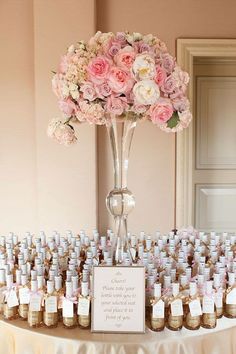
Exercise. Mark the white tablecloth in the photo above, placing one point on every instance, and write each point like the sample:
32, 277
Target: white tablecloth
17, 338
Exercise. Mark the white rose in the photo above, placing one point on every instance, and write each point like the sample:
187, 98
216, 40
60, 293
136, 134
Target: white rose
135, 36
144, 67
146, 92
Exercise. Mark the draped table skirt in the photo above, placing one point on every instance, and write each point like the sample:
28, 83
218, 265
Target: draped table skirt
17, 338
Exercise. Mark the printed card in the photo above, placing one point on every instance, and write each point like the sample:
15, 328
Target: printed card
83, 306
67, 308
24, 295
35, 302
12, 299
158, 310
208, 304
51, 304
195, 308
177, 308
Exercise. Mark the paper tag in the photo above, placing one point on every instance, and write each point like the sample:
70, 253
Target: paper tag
158, 310
195, 308
177, 308
208, 305
12, 299
24, 295
231, 297
35, 302
83, 306
67, 308
51, 304
219, 300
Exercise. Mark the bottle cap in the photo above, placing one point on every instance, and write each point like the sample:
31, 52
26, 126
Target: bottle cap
50, 286
192, 288
34, 285
157, 290
84, 288
75, 282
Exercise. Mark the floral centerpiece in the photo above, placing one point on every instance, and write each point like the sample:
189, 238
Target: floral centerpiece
117, 80
116, 74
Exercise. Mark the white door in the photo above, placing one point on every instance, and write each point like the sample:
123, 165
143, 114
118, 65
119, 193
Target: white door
214, 145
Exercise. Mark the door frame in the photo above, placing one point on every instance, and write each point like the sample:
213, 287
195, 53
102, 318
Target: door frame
187, 50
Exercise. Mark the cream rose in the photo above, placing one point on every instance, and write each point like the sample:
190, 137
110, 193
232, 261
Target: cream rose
146, 92
144, 67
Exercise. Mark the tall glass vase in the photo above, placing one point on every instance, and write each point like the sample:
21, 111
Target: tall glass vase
120, 201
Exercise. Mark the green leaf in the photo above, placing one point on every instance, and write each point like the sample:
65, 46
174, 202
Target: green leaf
173, 121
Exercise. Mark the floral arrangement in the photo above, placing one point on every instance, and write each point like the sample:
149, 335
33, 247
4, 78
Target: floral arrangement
119, 74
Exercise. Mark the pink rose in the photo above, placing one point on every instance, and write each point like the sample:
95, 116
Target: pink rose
98, 69
89, 92
168, 62
112, 47
121, 37
161, 112
68, 107
119, 80
61, 132
170, 85
160, 75
125, 58
103, 90
181, 103
139, 108
144, 47
116, 105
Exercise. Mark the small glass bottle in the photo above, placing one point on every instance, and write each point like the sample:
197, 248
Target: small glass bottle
192, 310
230, 299
50, 315
24, 297
35, 313
157, 319
69, 308
2, 288
209, 318
60, 294
218, 295
84, 307
175, 310
10, 308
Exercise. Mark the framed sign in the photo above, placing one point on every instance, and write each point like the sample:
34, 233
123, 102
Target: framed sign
118, 300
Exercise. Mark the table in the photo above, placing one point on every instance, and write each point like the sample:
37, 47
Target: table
17, 338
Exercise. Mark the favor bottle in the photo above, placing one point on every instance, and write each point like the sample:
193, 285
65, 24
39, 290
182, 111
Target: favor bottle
230, 299
157, 320
10, 308
35, 314
50, 315
84, 307
69, 308
192, 309
209, 317
24, 297
175, 310
218, 295
2, 288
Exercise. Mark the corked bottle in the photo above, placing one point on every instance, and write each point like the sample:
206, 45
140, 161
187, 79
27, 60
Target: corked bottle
35, 313
10, 308
69, 316
218, 295
84, 307
192, 309
50, 315
175, 310
209, 318
24, 298
230, 298
157, 318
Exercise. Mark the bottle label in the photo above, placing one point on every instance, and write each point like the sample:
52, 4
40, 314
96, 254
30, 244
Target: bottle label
35, 303
231, 297
195, 308
24, 295
208, 305
175, 321
177, 308
230, 310
51, 304
69, 321
219, 300
12, 300
23, 311
209, 319
84, 321
67, 308
157, 323
193, 321
83, 306
34, 318
158, 310
50, 319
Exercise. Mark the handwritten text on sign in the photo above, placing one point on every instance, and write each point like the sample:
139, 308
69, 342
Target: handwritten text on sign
118, 299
